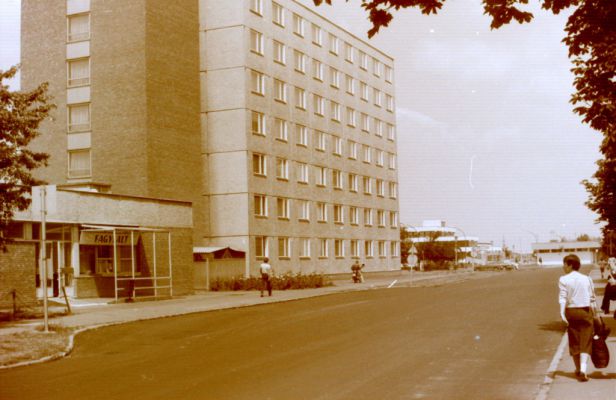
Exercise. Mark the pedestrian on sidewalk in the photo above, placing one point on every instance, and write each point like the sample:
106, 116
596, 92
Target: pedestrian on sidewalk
267, 274
577, 307
610, 287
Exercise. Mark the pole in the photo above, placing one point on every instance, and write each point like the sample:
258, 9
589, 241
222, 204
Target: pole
44, 256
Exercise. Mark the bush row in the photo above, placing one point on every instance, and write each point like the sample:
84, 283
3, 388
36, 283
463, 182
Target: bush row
282, 282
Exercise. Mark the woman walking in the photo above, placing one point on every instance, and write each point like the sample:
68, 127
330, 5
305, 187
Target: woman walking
577, 307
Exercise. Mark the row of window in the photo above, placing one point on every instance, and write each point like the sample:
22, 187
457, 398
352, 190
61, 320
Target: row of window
341, 247
281, 94
339, 213
352, 85
299, 24
322, 176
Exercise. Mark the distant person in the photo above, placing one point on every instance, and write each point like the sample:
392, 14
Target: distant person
540, 261
610, 287
266, 276
577, 304
361, 275
602, 268
356, 272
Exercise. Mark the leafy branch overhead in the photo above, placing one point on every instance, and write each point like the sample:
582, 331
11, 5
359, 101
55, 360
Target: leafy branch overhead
591, 39
21, 113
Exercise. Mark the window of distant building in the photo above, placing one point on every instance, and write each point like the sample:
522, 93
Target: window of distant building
278, 14
261, 246
317, 35
298, 25
258, 123
257, 82
304, 248
78, 27
284, 247
260, 205
259, 164
78, 117
280, 53
79, 163
256, 6
256, 42
79, 72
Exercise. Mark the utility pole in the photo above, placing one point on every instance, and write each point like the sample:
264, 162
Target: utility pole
44, 255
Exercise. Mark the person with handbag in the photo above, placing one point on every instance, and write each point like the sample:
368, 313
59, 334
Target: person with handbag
577, 307
610, 287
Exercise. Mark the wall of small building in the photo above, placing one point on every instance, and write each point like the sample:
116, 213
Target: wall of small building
18, 270
555, 259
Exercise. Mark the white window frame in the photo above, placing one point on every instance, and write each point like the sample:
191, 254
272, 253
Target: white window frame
283, 208
364, 93
350, 84
300, 61
336, 111
256, 42
299, 25
354, 215
389, 74
378, 125
367, 183
353, 149
389, 103
377, 67
395, 248
257, 82
278, 14
301, 134
393, 190
280, 52
281, 127
349, 52
339, 248
354, 245
256, 6
81, 81
334, 77
303, 173
284, 247
79, 173
380, 157
378, 97
258, 123
323, 248
318, 70
380, 218
369, 248
382, 249
304, 248
319, 105
365, 122
366, 153
317, 35
351, 117
393, 219
304, 210
380, 187
337, 150
260, 205
391, 132
261, 247
353, 182
301, 98
363, 60
392, 161
259, 164
320, 140
338, 214
334, 44
280, 91
321, 211
320, 175
77, 36
337, 181
282, 168
79, 127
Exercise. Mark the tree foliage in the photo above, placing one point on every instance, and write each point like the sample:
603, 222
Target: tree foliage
21, 113
591, 39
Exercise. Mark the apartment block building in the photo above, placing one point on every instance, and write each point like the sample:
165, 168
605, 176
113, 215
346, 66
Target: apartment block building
275, 123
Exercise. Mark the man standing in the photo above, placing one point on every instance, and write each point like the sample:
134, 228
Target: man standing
266, 274
577, 306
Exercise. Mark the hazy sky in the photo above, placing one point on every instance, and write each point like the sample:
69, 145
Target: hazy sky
487, 140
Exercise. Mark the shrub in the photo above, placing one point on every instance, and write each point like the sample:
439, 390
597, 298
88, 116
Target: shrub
283, 282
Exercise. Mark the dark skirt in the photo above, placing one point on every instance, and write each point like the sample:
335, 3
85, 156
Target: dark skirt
580, 330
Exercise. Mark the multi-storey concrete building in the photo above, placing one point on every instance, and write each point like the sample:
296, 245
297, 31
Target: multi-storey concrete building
275, 123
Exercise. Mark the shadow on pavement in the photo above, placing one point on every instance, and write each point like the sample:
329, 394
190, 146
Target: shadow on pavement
553, 326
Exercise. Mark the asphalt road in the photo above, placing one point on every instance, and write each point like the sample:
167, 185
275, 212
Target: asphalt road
490, 338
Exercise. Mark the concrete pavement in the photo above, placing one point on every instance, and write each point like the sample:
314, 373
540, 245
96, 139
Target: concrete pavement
559, 383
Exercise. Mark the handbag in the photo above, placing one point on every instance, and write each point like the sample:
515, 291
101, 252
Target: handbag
600, 354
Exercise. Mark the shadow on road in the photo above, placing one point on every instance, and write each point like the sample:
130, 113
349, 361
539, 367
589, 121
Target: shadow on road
553, 326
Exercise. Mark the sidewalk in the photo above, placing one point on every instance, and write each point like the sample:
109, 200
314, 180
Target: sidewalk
561, 383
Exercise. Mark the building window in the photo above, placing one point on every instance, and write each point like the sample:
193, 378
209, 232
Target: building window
79, 72
389, 101
79, 117
261, 246
323, 248
283, 207
298, 25
351, 117
380, 218
300, 98
304, 210
334, 44
280, 91
337, 145
79, 163
256, 6
257, 82
260, 205
378, 97
78, 27
352, 150
392, 161
389, 74
278, 14
368, 216
336, 111
317, 35
391, 132
320, 142
354, 248
363, 60
393, 219
380, 188
380, 157
395, 249
334, 76
280, 53
338, 214
367, 153
367, 181
318, 70
302, 172
377, 67
354, 215
350, 84
259, 164
321, 176
349, 52
256, 42
281, 127
282, 168
284, 247
378, 125
258, 123
368, 248
353, 182
365, 122
321, 212
301, 133
300, 61
339, 248
363, 91
382, 248
337, 179
393, 190
319, 105
304, 248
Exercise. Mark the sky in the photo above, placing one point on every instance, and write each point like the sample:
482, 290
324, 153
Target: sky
487, 140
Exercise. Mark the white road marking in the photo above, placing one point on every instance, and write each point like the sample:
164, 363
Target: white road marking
391, 284
544, 389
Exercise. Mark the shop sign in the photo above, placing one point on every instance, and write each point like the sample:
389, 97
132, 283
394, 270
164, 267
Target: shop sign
106, 238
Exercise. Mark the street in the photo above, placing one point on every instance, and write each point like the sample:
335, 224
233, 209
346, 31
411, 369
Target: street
489, 338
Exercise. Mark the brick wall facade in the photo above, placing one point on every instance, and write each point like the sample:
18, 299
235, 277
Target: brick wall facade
18, 273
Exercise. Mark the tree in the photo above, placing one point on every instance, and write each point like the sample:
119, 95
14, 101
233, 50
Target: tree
21, 113
591, 38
